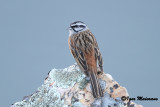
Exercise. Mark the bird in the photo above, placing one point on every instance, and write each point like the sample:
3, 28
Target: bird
86, 53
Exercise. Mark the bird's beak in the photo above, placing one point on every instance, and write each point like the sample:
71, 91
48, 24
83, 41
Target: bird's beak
69, 28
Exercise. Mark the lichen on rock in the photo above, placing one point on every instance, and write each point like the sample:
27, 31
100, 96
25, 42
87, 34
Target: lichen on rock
69, 88
67, 77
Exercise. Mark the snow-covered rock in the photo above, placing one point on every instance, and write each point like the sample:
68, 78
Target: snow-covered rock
69, 88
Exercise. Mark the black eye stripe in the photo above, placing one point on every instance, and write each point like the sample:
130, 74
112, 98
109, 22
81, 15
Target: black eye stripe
82, 26
76, 26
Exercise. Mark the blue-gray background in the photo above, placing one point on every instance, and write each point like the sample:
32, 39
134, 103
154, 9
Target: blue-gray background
33, 40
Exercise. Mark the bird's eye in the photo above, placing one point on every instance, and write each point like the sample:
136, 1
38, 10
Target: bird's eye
76, 25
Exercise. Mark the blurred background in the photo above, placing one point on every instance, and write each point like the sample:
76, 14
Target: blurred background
34, 40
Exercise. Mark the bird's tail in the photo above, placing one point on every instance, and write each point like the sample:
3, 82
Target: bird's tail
96, 87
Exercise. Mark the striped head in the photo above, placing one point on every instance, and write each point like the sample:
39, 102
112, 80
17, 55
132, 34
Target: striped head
77, 27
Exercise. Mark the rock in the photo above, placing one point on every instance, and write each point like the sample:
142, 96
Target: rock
70, 88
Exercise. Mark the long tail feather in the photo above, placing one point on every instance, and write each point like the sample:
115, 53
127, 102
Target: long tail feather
96, 88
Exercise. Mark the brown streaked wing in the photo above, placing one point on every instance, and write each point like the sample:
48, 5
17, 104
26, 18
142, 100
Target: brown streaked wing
79, 56
97, 52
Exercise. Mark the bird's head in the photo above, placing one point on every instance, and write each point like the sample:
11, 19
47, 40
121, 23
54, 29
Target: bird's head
77, 27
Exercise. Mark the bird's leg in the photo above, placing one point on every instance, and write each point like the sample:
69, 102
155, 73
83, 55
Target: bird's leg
99, 70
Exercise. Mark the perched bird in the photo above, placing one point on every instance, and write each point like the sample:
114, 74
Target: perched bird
84, 49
